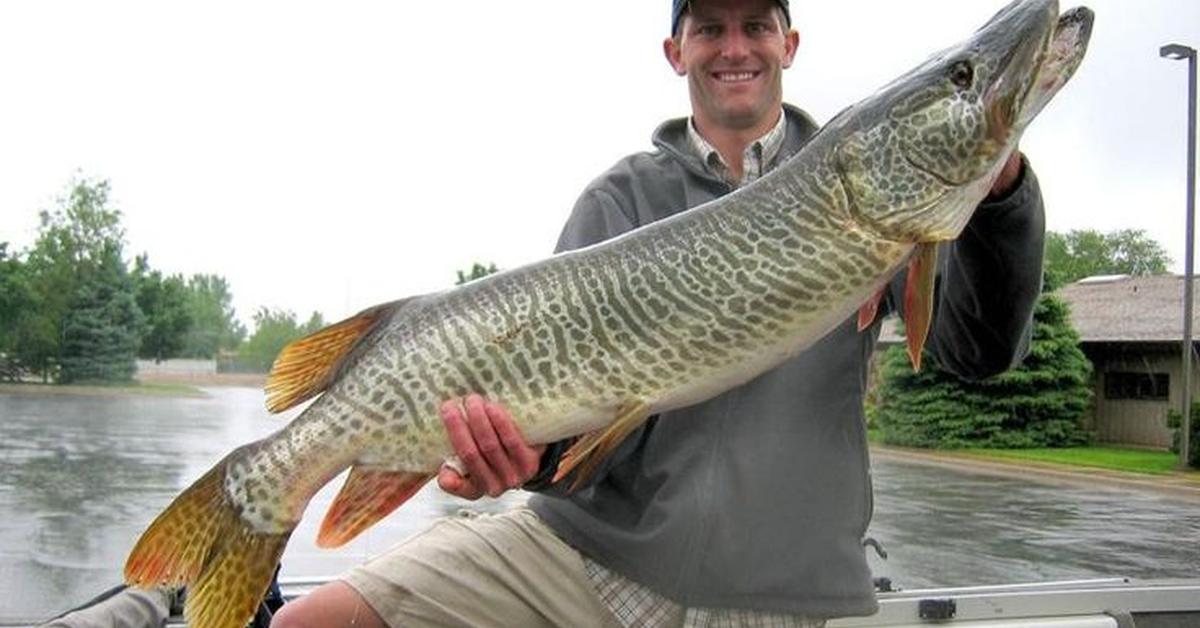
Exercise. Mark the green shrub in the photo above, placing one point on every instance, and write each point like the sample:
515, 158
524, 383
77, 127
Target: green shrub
1175, 422
1037, 404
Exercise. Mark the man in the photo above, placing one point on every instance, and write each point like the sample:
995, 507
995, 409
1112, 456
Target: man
748, 508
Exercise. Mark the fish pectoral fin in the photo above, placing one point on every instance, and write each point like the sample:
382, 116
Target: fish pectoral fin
201, 541
592, 448
368, 495
306, 366
918, 299
870, 309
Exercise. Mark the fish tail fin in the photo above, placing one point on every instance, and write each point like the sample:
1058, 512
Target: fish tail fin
367, 496
200, 541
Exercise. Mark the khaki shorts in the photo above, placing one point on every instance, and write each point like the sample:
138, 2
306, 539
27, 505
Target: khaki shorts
482, 570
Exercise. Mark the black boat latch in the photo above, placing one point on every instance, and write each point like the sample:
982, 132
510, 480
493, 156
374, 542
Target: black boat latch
936, 610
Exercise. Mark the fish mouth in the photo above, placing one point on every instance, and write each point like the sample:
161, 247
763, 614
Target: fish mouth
1061, 57
1036, 67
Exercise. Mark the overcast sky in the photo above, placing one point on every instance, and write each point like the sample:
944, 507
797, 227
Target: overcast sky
329, 156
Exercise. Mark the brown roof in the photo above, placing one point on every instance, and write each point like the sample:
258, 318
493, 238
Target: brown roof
1118, 308
1121, 308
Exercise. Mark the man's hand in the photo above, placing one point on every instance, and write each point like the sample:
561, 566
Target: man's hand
486, 440
1009, 175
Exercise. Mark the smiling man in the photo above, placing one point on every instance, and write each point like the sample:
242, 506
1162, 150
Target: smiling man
733, 55
749, 508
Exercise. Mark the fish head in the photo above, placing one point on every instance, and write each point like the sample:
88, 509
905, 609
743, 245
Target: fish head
919, 155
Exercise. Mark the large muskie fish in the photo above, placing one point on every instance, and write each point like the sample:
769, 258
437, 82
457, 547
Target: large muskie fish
594, 341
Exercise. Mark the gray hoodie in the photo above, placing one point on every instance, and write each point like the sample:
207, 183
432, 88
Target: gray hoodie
760, 497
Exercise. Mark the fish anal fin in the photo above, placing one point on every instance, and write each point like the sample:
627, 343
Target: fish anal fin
592, 448
870, 310
306, 366
368, 495
918, 299
200, 541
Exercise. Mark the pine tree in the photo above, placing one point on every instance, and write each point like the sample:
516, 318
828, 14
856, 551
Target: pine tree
100, 331
1037, 404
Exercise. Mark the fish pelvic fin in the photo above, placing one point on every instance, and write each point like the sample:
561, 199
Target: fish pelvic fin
918, 299
200, 541
367, 496
585, 456
870, 310
307, 366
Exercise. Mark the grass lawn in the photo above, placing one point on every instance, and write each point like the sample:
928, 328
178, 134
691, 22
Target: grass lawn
1115, 458
1100, 457
155, 389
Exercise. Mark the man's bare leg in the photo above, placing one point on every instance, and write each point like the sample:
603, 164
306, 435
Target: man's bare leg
333, 605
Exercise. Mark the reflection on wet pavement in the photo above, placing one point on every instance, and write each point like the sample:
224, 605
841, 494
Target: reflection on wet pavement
944, 528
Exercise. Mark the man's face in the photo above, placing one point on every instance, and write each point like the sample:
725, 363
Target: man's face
733, 53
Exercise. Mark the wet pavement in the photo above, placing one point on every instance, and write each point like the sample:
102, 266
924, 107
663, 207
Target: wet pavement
81, 476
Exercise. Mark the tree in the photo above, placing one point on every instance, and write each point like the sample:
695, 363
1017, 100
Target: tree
16, 305
100, 330
1175, 422
477, 271
273, 330
214, 322
1083, 253
315, 323
1036, 404
75, 260
164, 303
14, 296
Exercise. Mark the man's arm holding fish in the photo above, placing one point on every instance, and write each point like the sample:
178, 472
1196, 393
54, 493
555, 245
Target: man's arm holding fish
990, 280
476, 424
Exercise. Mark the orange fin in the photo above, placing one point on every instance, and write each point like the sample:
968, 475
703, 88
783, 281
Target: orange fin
918, 299
200, 541
870, 309
592, 448
367, 496
307, 366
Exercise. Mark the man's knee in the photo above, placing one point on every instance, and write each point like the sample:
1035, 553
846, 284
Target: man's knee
333, 604
292, 615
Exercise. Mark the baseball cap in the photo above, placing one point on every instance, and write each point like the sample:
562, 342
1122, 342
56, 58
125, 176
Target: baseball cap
678, 6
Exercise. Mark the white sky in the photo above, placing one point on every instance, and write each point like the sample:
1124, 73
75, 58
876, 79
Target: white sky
329, 156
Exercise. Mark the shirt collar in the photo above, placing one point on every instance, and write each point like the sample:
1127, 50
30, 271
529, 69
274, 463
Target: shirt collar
757, 160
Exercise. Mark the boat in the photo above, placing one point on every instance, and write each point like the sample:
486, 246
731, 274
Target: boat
1093, 603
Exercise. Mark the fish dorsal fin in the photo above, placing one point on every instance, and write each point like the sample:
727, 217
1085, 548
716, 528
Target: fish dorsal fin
592, 448
918, 299
306, 366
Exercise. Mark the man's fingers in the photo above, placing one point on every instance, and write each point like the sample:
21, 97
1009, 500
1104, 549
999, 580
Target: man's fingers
1009, 173
490, 447
462, 439
452, 482
493, 454
526, 458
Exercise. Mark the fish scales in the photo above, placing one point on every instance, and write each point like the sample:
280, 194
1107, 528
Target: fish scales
705, 290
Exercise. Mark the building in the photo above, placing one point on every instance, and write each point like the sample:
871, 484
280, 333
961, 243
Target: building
1131, 328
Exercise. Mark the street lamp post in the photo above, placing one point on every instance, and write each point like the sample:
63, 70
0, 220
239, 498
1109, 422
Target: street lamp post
1177, 52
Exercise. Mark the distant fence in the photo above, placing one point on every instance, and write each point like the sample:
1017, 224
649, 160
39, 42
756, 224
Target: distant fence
232, 363
177, 367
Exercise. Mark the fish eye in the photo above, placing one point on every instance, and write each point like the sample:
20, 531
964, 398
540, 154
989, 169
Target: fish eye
962, 74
